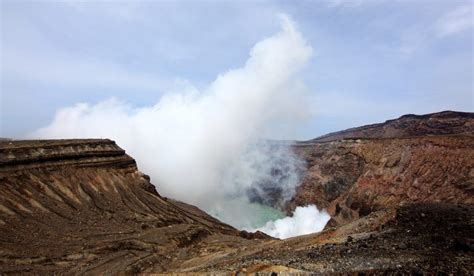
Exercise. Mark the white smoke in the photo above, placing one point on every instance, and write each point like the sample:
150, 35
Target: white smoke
192, 142
305, 220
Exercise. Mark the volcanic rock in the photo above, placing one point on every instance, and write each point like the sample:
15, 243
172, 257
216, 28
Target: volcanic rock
410, 125
81, 206
354, 177
400, 196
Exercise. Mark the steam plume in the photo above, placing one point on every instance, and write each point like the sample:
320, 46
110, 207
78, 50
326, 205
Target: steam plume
192, 142
305, 220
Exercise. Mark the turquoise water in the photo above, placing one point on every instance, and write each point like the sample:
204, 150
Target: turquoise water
244, 215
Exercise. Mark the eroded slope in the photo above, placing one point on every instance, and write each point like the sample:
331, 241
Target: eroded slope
82, 206
352, 178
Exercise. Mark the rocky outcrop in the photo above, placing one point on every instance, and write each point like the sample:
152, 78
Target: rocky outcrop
415, 158
441, 123
421, 238
21, 155
399, 203
81, 206
352, 178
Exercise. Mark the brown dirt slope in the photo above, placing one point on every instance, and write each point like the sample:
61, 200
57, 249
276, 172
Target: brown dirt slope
81, 206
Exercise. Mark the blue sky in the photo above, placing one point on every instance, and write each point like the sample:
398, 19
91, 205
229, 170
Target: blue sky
373, 60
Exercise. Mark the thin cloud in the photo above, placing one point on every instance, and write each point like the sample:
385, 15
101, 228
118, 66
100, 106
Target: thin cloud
77, 71
129, 10
349, 3
456, 21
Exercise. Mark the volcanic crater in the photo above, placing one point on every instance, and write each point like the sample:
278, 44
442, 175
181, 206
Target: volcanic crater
400, 195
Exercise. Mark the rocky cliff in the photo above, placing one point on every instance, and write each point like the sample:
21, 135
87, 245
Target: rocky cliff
415, 158
352, 178
399, 204
81, 206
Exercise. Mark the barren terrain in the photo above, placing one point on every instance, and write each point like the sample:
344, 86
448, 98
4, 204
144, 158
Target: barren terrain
398, 204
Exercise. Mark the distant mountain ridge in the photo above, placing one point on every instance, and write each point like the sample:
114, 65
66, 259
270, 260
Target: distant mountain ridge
410, 125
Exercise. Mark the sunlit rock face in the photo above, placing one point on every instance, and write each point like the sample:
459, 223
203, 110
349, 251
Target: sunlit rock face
429, 158
82, 206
